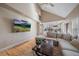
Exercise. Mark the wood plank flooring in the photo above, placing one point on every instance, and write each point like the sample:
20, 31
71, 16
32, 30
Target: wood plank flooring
24, 49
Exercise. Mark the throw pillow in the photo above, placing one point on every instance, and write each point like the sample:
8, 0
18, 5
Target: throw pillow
75, 43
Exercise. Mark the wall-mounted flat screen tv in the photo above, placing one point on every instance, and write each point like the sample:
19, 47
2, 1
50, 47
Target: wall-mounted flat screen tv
21, 25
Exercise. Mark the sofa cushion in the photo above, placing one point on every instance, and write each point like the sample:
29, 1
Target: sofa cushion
52, 35
67, 37
66, 45
59, 35
70, 53
75, 43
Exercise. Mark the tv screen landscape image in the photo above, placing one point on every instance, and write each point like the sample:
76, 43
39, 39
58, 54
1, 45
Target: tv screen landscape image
21, 25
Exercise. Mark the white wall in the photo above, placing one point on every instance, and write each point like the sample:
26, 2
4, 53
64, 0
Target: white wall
7, 37
74, 21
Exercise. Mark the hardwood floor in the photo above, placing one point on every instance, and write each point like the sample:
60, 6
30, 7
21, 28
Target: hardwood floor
24, 49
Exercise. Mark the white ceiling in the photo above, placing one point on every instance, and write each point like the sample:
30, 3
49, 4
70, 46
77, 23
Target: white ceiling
60, 9
57, 12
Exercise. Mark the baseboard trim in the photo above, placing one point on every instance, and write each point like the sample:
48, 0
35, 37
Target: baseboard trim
13, 45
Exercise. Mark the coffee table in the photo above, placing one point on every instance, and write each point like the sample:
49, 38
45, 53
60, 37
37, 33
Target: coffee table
48, 49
